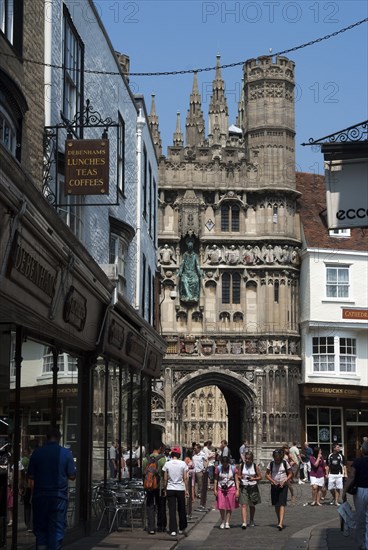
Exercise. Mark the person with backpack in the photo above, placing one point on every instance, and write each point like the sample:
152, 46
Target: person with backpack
249, 475
226, 490
176, 485
336, 471
279, 473
153, 486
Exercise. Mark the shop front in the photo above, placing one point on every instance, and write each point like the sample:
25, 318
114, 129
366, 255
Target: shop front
53, 301
335, 414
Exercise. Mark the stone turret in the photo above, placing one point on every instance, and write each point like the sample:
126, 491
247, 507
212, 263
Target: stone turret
195, 133
178, 140
240, 119
218, 112
269, 125
153, 122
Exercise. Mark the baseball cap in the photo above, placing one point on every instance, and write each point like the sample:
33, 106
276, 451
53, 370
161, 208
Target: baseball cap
176, 449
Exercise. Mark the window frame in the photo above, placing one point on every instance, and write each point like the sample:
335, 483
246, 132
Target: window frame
231, 290
121, 154
11, 19
329, 284
334, 346
72, 83
230, 217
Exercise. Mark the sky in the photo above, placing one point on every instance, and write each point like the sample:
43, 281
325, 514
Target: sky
331, 77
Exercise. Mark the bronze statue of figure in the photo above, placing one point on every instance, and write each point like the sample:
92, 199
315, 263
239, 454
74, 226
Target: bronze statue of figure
190, 275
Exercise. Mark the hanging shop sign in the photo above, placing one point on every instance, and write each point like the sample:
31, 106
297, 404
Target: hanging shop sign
86, 167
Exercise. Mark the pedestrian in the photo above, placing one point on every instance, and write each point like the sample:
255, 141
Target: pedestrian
167, 454
200, 465
226, 490
224, 449
112, 460
243, 450
279, 473
305, 455
336, 471
50, 468
289, 460
153, 485
249, 475
191, 474
210, 457
358, 477
317, 476
176, 485
294, 454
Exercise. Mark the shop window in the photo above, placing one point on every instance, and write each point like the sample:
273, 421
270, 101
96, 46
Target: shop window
230, 218
72, 68
324, 427
334, 355
337, 282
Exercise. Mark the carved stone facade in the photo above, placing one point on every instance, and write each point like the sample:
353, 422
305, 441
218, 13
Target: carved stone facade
234, 194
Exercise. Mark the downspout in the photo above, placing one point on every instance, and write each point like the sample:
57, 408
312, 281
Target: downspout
48, 62
140, 125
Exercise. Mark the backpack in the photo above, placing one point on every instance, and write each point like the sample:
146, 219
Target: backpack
284, 463
233, 469
151, 474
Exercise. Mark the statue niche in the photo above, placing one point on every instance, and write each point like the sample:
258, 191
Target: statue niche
189, 275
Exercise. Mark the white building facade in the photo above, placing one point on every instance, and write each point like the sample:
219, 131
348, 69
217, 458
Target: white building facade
333, 317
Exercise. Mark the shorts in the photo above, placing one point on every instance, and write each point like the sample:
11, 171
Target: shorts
249, 495
320, 481
279, 495
334, 482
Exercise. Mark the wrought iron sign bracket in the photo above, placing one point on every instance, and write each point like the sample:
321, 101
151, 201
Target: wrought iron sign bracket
353, 134
53, 156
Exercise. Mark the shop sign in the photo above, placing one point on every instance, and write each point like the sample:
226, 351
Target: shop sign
86, 167
29, 260
75, 309
351, 313
135, 348
116, 335
347, 194
337, 392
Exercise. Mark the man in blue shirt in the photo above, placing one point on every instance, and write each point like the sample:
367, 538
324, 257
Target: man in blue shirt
49, 470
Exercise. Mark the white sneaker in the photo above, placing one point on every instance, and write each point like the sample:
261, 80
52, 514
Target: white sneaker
227, 526
301, 482
173, 534
222, 526
243, 525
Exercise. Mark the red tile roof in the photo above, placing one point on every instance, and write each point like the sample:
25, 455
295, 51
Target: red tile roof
313, 214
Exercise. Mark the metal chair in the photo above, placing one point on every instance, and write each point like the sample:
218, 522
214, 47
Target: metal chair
138, 501
113, 506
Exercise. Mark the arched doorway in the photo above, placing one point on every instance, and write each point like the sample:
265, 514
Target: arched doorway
240, 400
204, 416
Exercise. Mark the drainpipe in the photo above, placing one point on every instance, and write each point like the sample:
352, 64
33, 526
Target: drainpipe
140, 125
48, 61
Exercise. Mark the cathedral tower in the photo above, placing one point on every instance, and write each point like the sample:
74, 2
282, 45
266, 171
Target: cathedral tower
269, 125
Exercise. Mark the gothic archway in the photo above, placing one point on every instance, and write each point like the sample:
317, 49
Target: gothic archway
240, 396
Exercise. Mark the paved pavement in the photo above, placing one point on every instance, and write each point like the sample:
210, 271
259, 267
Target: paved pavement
306, 528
